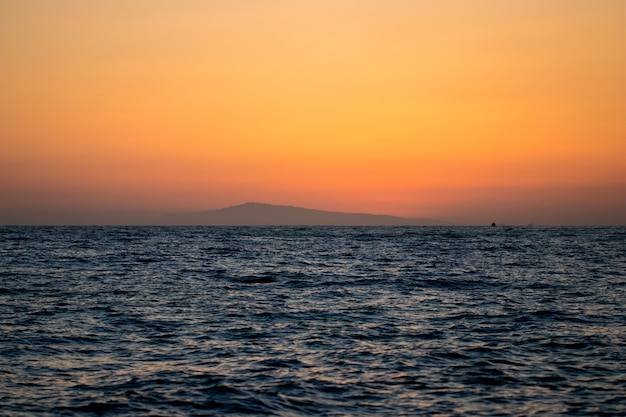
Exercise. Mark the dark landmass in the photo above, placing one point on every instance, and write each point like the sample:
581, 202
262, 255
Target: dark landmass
258, 214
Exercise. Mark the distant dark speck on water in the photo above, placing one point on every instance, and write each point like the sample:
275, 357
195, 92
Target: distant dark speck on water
288, 321
493, 225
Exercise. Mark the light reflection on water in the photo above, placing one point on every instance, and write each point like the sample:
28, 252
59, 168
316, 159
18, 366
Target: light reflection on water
313, 321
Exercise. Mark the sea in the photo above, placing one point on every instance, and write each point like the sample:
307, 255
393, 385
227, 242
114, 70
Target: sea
312, 321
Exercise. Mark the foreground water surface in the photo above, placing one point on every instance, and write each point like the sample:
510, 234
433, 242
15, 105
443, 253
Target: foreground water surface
328, 321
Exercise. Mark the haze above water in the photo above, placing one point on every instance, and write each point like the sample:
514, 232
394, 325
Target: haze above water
275, 215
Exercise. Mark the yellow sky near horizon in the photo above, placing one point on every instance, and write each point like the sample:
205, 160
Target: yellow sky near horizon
400, 107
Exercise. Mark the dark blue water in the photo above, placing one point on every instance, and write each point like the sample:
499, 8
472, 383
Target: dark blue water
324, 321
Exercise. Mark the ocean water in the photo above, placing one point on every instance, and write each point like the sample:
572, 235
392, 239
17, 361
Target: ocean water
312, 321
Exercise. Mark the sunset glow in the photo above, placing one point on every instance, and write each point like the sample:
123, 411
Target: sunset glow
506, 111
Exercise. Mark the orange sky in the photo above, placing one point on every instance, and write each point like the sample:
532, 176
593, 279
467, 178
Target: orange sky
489, 110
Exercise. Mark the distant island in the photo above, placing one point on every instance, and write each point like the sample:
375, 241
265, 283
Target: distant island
260, 214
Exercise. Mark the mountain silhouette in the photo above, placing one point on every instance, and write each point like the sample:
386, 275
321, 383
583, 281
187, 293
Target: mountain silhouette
259, 214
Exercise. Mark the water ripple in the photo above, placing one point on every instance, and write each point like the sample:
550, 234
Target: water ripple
329, 321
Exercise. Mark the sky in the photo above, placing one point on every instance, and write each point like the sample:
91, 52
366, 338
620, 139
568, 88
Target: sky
468, 111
